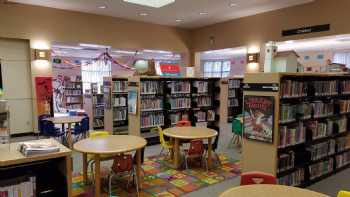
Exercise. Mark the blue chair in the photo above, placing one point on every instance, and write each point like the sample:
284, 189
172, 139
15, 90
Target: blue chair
40, 123
81, 128
49, 130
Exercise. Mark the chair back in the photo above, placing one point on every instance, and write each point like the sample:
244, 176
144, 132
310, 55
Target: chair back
252, 178
97, 134
237, 125
40, 121
122, 163
183, 123
343, 194
216, 141
196, 147
85, 124
49, 128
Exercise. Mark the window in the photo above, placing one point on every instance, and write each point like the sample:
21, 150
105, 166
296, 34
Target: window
217, 68
342, 58
93, 72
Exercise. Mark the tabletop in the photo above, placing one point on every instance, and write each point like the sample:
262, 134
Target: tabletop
270, 191
10, 155
110, 145
65, 119
190, 132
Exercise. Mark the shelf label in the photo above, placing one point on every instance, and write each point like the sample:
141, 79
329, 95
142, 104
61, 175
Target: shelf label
265, 87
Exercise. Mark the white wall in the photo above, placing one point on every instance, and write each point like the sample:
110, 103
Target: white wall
17, 83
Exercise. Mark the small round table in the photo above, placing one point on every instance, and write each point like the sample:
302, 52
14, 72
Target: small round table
190, 133
113, 144
270, 191
66, 120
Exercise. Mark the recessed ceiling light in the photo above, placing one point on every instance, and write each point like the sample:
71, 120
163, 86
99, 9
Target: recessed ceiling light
151, 3
102, 7
203, 13
233, 4
143, 14
179, 20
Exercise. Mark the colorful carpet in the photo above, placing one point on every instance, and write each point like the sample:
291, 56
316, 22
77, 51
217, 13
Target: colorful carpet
161, 180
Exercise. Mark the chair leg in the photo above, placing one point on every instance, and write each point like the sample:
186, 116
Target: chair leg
110, 177
130, 176
136, 183
160, 154
92, 171
186, 164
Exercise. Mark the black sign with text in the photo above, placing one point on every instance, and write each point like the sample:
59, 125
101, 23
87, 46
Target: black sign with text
306, 30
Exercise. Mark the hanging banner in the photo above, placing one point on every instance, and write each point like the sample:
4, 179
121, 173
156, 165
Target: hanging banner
43, 88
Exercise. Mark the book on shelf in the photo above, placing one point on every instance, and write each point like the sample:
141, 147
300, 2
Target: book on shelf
290, 89
342, 143
321, 168
342, 159
234, 84
180, 87
119, 114
286, 161
325, 88
152, 120
292, 135
151, 104
210, 115
203, 101
344, 106
119, 86
177, 116
22, 186
150, 87
98, 123
202, 86
201, 116
119, 101
180, 103
344, 86
233, 102
294, 179
321, 150
37, 147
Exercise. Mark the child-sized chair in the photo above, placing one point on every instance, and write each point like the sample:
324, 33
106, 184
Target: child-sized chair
252, 178
165, 144
237, 130
343, 194
183, 123
196, 150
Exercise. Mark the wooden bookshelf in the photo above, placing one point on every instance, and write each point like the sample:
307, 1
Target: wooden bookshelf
232, 97
116, 112
73, 93
57, 165
94, 107
311, 126
164, 101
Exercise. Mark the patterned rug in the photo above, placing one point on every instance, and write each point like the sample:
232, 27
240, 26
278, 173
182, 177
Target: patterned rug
161, 180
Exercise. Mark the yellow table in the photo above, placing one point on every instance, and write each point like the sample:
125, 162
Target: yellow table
270, 191
66, 120
189, 133
113, 144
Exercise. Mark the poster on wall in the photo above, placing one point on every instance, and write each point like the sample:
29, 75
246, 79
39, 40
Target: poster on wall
169, 69
259, 118
132, 102
43, 88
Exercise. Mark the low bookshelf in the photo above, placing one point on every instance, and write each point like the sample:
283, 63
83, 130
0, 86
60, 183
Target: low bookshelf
310, 121
164, 101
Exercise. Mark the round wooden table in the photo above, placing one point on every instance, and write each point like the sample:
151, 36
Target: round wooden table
270, 191
190, 133
66, 120
113, 144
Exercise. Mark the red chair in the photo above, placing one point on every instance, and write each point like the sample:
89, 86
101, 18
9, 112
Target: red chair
196, 150
183, 123
252, 178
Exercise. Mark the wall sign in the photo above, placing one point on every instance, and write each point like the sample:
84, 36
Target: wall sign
269, 87
259, 118
306, 30
170, 69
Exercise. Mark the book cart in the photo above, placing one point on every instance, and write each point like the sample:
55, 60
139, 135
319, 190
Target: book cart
164, 101
310, 138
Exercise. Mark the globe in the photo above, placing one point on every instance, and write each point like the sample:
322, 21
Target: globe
141, 66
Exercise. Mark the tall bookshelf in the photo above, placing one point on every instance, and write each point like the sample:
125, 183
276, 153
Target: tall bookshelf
97, 106
311, 129
73, 93
116, 114
164, 101
235, 98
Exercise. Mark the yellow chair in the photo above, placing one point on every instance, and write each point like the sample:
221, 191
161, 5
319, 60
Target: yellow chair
165, 144
90, 158
343, 194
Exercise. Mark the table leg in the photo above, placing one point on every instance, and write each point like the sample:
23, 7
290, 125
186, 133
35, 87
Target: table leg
69, 136
209, 152
97, 176
85, 168
177, 153
138, 168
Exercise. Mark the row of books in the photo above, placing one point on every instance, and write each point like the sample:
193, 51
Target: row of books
119, 86
319, 129
294, 179
343, 143
342, 159
97, 100
321, 168
176, 117
291, 89
344, 106
24, 186
180, 87
151, 104
99, 111
73, 99
72, 92
233, 102
71, 107
203, 101
75, 78
291, 135
202, 86
203, 116
152, 120
344, 86
98, 123
286, 161
325, 88
119, 101
119, 114
232, 93
234, 84
150, 87
69, 85
321, 150
179, 103
321, 109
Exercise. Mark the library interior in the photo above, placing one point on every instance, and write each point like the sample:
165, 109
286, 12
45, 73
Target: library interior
174, 98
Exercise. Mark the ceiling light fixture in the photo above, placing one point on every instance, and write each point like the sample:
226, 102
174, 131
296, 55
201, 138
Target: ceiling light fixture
233, 4
157, 51
66, 47
289, 42
95, 46
143, 14
203, 13
151, 3
179, 20
124, 52
102, 7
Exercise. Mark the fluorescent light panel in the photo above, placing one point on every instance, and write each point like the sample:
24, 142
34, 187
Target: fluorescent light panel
151, 3
95, 46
